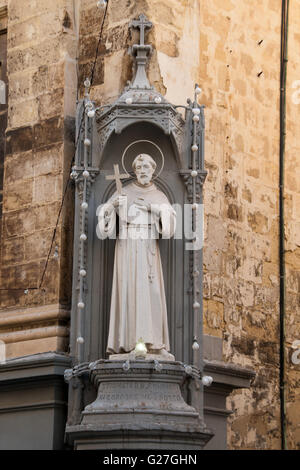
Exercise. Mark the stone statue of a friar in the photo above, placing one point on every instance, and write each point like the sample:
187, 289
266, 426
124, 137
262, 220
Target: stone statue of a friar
138, 304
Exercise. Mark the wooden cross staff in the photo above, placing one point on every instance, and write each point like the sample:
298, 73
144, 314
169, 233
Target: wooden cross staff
117, 177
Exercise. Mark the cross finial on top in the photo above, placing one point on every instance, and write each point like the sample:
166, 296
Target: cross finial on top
142, 23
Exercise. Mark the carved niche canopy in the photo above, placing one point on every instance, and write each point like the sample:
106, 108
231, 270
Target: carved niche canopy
140, 101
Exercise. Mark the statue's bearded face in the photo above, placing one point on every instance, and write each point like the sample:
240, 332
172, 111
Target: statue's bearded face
144, 171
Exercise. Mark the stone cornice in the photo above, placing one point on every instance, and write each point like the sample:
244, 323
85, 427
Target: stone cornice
36, 365
3, 20
34, 333
11, 319
3, 12
229, 375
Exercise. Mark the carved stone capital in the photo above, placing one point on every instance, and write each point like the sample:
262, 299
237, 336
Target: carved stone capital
188, 181
78, 178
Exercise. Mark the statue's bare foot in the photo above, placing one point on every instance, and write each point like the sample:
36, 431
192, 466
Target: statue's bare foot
160, 355
168, 356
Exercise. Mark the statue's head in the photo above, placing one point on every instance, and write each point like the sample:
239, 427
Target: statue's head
143, 166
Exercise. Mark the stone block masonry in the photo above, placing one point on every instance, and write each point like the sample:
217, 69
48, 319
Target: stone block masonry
232, 49
42, 76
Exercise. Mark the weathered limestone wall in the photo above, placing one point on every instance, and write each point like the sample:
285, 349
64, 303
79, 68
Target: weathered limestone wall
232, 50
239, 72
176, 28
42, 42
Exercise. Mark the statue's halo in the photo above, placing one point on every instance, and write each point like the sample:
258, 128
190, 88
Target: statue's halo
138, 142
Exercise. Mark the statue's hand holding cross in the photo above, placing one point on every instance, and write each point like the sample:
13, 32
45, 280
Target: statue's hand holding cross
118, 177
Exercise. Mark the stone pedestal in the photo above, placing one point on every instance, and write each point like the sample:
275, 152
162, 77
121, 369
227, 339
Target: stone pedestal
138, 408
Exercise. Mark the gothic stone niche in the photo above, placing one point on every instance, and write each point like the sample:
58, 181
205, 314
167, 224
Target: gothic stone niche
143, 116
101, 252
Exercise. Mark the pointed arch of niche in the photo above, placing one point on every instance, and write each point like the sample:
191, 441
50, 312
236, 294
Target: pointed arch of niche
111, 125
